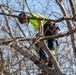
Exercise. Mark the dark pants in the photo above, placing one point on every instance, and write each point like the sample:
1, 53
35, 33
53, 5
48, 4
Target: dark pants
50, 42
42, 55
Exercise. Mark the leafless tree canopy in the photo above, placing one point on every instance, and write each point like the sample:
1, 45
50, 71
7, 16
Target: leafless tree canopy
17, 51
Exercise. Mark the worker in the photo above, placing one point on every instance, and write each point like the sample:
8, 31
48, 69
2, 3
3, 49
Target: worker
48, 28
37, 24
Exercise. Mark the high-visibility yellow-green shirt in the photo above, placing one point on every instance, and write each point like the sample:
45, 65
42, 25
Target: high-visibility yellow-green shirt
35, 22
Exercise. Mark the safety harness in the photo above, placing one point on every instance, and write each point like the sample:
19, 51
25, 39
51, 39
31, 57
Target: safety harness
53, 32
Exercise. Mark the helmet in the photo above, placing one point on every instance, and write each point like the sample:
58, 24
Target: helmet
22, 14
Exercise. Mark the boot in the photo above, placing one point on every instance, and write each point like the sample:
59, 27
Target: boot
50, 63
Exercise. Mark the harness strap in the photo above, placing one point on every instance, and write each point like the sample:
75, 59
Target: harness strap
49, 30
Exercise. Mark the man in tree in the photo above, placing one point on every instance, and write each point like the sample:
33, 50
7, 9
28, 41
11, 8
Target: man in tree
49, 30
37, 24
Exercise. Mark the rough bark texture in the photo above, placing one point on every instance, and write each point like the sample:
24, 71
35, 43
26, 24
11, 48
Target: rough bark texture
56, 71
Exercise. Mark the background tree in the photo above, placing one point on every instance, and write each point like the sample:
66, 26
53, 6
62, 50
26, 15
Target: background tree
17, 52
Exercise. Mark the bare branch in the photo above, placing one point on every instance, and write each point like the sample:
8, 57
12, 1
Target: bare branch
72, 7
6, 42
53, 20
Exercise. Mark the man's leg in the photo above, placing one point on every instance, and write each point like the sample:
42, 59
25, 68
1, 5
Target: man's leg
43, 56
51, 47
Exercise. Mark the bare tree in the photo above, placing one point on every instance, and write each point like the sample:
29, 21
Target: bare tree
17, 51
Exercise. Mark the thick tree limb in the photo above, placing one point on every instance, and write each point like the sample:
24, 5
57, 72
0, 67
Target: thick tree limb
6, 42
27, 54
52, 57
